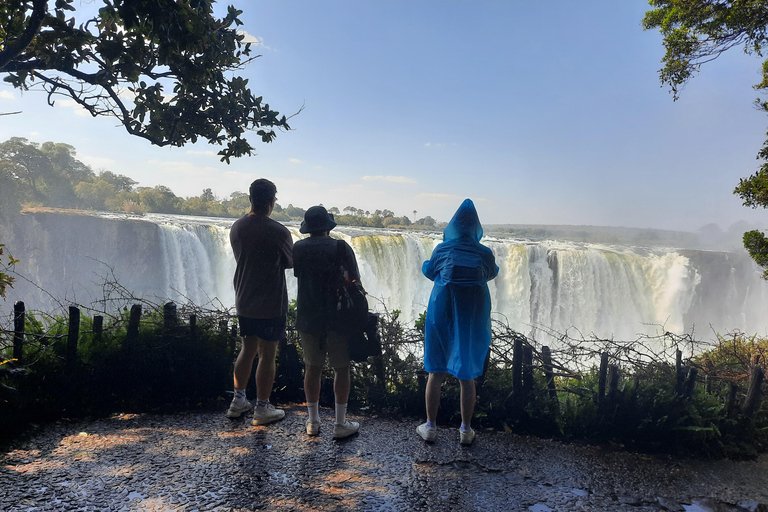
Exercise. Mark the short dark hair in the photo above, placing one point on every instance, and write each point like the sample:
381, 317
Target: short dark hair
262, 193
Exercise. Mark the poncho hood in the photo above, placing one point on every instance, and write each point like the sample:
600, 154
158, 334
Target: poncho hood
464, 224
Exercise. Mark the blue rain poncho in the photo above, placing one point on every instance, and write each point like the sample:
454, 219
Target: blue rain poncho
457, 331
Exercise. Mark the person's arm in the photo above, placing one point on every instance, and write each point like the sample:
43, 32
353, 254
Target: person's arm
429, 268
351, 263
492, 268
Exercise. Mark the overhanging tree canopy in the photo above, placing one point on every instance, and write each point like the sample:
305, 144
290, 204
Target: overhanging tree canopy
166, 69
698, 31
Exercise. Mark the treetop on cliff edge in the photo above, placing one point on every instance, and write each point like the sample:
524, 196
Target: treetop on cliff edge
160, 67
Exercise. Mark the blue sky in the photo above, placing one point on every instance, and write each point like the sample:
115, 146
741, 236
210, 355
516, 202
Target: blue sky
547, 112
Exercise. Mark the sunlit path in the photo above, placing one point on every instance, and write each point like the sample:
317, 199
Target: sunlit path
203, 461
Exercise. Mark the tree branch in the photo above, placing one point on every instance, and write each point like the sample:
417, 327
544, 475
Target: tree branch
35, 22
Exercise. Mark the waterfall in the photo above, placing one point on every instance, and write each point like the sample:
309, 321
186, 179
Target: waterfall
608, 291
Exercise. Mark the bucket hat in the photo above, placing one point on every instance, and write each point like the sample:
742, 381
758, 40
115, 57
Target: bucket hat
317, 219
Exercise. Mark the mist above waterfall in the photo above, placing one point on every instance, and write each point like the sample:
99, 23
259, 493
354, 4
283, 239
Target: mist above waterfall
609, 290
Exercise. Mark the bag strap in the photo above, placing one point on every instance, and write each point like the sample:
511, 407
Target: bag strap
339, 253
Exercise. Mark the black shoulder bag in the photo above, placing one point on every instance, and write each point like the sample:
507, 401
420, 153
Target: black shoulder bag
347, 307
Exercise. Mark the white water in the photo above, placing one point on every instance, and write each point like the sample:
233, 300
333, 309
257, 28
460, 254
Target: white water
606, 290
611, 291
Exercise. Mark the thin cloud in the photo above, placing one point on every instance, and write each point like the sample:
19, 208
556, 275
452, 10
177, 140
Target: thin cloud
434, 145
203, 153
80, 111
389, 179
254, 40
436, 195
7, 95
295, 161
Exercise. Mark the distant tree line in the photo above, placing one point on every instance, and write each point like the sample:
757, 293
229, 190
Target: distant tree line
50, 175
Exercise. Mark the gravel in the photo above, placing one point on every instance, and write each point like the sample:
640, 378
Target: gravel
203, 461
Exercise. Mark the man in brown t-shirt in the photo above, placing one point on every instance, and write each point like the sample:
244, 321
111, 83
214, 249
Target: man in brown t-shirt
263, 250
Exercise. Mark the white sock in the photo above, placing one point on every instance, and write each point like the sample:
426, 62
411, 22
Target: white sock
240, 393
314, 411
341, 413
464, 427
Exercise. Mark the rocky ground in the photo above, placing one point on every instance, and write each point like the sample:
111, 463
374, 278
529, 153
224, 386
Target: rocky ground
204, 461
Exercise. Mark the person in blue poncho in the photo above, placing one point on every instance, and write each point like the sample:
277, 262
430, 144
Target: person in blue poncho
457, 330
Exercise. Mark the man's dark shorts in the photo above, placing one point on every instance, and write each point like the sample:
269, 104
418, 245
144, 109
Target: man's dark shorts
269, 329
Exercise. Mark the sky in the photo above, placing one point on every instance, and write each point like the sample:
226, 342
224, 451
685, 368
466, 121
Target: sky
546, 112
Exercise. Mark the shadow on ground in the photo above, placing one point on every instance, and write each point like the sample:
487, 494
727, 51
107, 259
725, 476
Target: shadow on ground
204, 461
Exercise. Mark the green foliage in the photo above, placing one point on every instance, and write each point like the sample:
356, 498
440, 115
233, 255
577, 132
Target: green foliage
172, 369
6, 261
177, 59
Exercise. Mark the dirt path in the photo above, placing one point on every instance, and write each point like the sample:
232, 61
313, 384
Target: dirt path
204, 461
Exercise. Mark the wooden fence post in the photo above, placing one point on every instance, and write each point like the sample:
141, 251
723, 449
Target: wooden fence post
98, 328
170, 320
517, 371
679, 373
193, 326
546, 357
19, 316
613, 383
601, 377
753, 393
527, 373
73, 334
730, 400
690, 382
133, 325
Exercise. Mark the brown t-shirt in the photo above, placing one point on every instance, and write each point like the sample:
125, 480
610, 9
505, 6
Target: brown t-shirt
263, 250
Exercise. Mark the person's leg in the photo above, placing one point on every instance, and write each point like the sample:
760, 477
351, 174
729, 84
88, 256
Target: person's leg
338, 358
312, 383
244, 362
264, 412
428, 430
341, 383
432, 395
241, 374
314, 358
265, 369
468, 398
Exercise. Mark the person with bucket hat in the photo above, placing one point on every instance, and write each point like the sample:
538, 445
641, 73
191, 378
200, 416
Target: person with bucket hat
315, 258
263, 249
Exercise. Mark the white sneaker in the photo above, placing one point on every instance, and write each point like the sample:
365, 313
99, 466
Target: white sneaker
238, 407
267, 415
346, 429
466, 436
313, 427
426, 433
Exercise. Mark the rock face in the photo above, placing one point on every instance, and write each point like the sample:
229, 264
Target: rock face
71, 255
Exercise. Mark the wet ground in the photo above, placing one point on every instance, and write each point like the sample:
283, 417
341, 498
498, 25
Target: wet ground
204, 461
